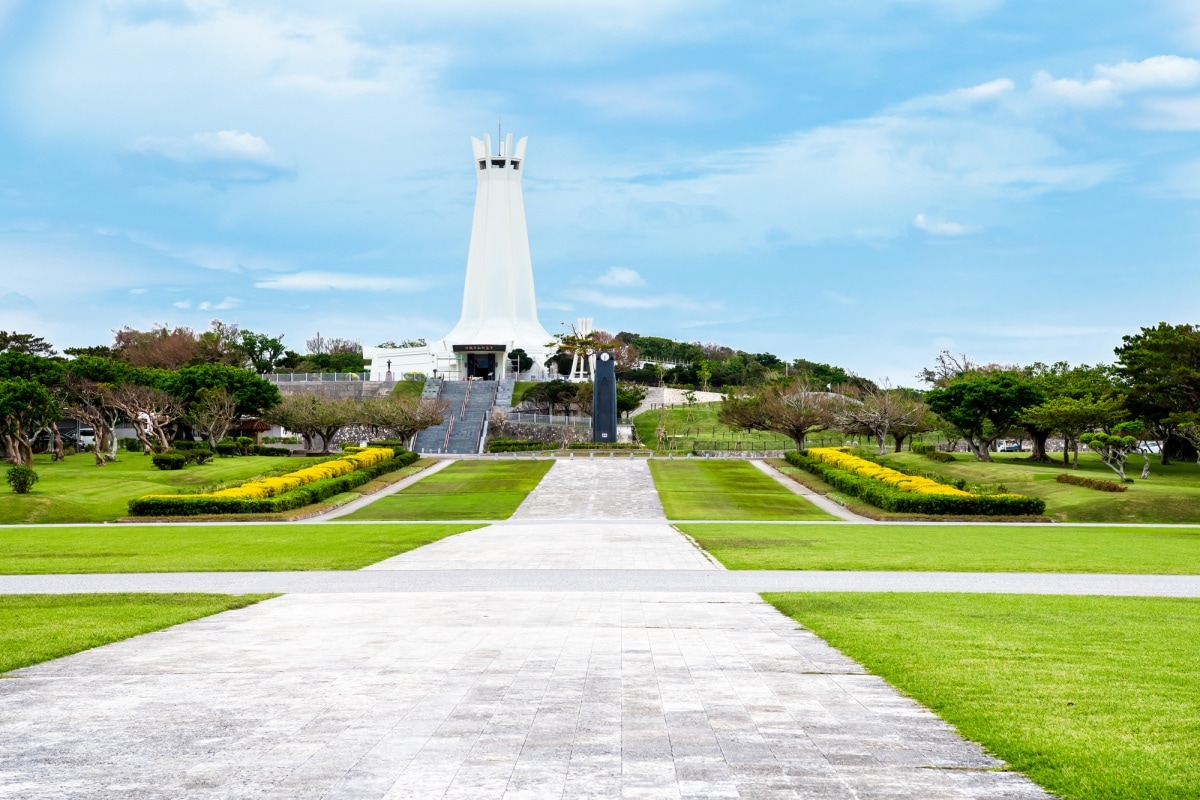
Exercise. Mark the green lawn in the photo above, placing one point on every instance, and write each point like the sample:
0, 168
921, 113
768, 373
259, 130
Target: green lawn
704, 432
1172, 494
76, 490
698, 489
1094, 698
38, 627
519, 390
464, 490
408, 388
953, 548
208, 548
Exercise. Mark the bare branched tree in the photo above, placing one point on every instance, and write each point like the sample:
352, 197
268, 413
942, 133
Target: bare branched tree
794, 410
212, 413
149, 410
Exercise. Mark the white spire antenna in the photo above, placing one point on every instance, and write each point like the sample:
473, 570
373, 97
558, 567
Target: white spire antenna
500, 133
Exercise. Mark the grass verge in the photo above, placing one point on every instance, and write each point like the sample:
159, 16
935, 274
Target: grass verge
462, 491
76, 490
1171, 494
316, 509
39, 627
1094, 698
953, 548
209, 548
726, 490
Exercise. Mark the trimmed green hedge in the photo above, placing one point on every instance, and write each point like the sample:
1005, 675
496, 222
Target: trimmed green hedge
502, 445
605, 446
190, 505
883, 496
1090, 483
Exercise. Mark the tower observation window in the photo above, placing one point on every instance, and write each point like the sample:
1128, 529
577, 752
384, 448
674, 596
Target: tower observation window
482, 164
498, 162
516, 164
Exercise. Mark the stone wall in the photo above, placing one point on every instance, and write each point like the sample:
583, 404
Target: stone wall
342, 390
549, 434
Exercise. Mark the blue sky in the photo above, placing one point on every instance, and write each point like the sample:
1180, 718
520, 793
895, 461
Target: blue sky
862, 182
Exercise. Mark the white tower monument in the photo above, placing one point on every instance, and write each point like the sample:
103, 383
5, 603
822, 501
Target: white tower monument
499, 310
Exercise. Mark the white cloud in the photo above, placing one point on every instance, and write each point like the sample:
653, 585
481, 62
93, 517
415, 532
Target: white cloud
1111, 82
621, 276
224, 156
227, 303
960, 100
940, 227
182, 304
315, 281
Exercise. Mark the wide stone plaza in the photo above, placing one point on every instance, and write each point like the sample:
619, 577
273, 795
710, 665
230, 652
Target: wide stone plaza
482, 694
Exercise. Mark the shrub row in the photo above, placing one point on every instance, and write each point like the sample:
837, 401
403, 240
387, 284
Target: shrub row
189, 505
502, 445
604, 446
870, 468
1090, 483
889, 498
178, 459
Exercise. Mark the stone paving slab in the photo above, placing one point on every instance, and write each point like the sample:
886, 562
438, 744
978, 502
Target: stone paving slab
601, 488
709, 580
478, 695
559, 545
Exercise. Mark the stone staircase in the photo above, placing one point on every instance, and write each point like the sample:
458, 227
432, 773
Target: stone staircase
504, 393
461, 430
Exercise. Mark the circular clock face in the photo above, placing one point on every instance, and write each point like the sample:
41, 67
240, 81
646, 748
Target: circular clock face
605, 356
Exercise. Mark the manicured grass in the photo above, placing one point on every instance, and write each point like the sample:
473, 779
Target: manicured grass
208, 548
464, 490
519, 390
38, 627
1172, 494
76, 490
953, 548
704, 432
1094, 698
698, 489
408, 388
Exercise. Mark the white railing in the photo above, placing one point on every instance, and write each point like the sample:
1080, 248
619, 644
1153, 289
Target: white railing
549, 419
313, 377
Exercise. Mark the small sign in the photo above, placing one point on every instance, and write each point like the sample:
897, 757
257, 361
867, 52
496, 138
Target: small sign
480, 348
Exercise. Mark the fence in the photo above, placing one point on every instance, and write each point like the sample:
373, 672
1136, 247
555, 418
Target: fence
313, 377
548, 419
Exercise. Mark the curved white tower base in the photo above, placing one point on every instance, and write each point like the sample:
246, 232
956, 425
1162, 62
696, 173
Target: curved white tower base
499, 310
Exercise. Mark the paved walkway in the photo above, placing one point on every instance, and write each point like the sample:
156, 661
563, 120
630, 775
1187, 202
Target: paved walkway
366, 500
519, 694
703, 578
819, 500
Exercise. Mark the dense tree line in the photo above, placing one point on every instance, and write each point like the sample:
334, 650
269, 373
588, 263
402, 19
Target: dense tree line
1148, 401
169, 384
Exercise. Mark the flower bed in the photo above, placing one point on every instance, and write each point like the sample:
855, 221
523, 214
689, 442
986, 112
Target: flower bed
283, 493
896, 491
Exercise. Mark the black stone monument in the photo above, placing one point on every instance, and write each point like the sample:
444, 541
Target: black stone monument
604, 399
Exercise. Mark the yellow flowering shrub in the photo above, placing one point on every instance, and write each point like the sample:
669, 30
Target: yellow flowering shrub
838, 457
282, 484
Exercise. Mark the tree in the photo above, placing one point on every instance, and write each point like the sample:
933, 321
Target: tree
793, 409
262, 353
220, 344
1061, 380
704, 373
313, 415
212, 413
88, 402
884, 412
983, 406
149, 410
158, 347
552, 393
252, 394
405, 417
25, 343
520, 359
1114, 448
629, 397
26, 407
1159, 370
1072, 417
